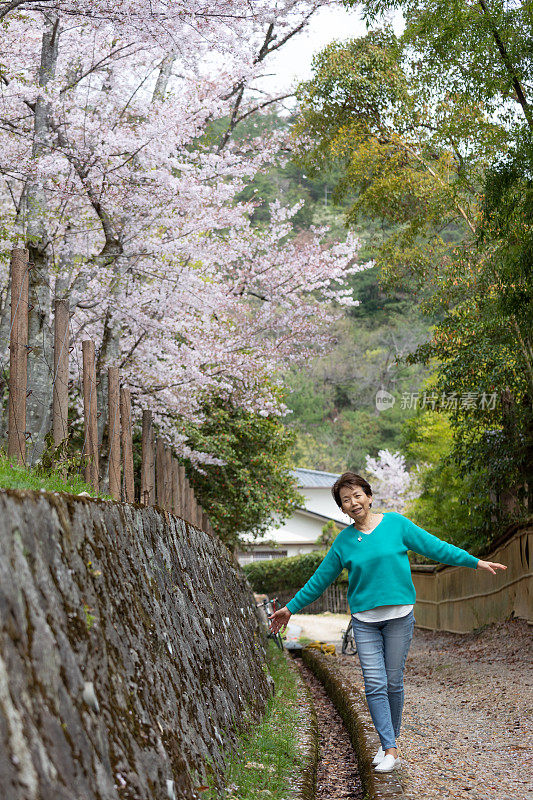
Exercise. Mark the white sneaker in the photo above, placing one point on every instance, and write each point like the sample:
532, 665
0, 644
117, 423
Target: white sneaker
388, 764
380, 755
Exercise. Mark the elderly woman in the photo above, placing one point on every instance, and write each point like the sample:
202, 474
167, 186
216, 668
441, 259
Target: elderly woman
381, 595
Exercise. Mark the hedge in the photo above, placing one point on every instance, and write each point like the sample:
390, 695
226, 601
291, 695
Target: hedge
277, 574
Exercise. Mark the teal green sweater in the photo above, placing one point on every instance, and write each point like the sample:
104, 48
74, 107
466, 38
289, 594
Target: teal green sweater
379, 572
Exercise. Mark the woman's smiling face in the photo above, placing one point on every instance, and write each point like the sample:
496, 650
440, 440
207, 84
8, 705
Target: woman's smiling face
355, 502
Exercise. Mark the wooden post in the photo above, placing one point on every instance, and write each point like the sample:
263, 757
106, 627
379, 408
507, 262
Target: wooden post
127, 444
60, 390
195, 510
186, 506
175, 486
167, 479
90, 447
160, 471
164, 479
199, 512
170, 479
148, 461
173, 492
18, 356
199, 515
205, 522
191, 505
113, 424
181, 491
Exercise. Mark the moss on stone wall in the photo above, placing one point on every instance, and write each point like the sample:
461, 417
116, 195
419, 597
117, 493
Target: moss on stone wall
130, 651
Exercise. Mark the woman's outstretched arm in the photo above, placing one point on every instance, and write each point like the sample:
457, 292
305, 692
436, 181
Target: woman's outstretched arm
322, 577
327, 572
420, 541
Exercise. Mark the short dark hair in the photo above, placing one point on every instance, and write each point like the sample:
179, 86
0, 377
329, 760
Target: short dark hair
349, 479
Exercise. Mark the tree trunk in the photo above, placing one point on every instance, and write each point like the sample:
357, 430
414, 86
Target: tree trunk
165, 69
109, 353
5, 325
40, 360
108, 356
513, 496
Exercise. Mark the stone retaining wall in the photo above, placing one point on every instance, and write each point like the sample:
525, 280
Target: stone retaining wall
130, 651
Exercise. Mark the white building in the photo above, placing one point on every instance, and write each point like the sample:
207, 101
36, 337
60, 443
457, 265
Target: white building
299, 533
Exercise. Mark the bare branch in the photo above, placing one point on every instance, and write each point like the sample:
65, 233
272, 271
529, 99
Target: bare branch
268, 46
5, 8
263, 105
508, 65
132, 349
263, 53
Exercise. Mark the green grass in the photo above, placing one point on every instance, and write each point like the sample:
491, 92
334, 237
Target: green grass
15, 476
262, 767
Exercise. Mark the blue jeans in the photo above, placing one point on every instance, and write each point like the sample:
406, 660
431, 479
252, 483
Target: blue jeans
382, 648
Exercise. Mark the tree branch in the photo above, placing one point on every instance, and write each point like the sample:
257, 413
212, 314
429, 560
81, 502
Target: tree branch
434, 175
5, 8
266, 48
263, 105
508, 65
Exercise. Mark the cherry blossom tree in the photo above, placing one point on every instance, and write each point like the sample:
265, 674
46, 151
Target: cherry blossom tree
393, 486
129, 207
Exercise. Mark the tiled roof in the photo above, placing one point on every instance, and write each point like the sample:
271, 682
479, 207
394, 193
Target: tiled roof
308, 478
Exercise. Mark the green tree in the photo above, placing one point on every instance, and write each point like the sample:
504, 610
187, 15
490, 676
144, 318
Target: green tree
412, 159
335, 416
480, 50
253, 487
484, 343
328, 533
449, 505
434, 131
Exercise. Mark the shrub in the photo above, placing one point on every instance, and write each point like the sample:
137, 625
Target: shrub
285, 573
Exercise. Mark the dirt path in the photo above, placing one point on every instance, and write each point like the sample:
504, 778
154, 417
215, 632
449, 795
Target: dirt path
337, 775
467, 729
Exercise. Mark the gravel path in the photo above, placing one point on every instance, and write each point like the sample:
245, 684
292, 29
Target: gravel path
337, 773
467, 729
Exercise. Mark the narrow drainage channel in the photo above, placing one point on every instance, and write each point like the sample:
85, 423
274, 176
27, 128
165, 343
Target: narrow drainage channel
337, 774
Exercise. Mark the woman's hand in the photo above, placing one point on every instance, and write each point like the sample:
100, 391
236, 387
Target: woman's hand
490, 566
279, 619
